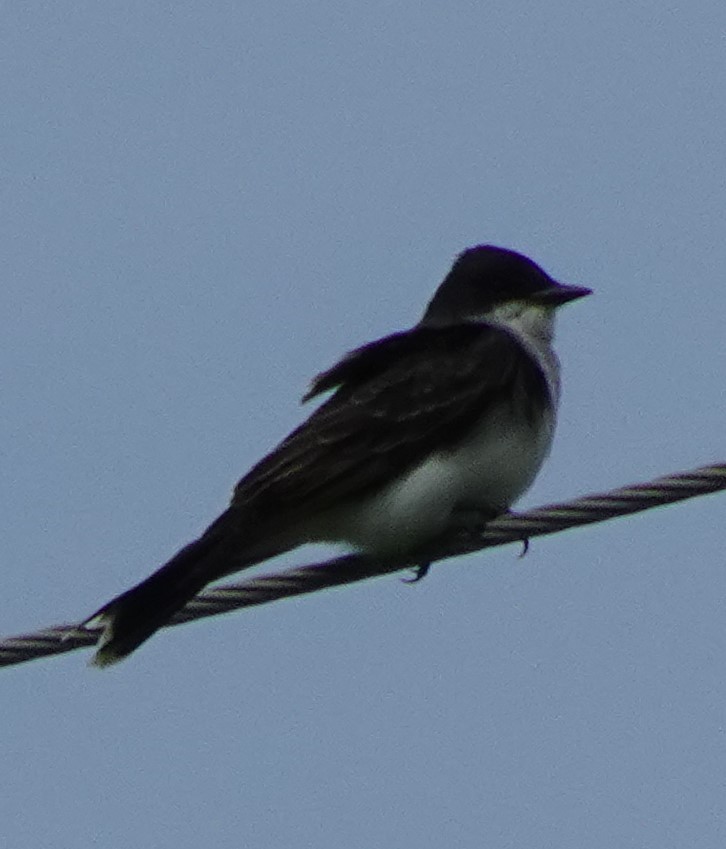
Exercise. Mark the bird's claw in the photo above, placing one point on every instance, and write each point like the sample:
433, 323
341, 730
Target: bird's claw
420, 571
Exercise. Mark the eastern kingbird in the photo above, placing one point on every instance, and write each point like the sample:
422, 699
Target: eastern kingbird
455, 414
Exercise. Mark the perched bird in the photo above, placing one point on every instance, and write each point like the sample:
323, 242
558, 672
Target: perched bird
455, 414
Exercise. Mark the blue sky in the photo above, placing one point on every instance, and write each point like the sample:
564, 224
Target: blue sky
201, 206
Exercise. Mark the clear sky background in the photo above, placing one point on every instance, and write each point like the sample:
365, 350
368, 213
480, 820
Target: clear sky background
204, 204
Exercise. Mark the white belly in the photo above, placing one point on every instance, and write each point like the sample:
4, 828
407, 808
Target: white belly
495, 466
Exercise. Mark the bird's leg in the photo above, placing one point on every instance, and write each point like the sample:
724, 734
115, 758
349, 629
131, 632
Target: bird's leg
420, 571
471, 520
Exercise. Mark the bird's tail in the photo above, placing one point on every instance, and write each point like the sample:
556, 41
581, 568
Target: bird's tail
132, 617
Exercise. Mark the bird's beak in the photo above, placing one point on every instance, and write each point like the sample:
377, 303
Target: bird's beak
560, 294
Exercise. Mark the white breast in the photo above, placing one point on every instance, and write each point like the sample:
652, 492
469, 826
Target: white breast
490, 470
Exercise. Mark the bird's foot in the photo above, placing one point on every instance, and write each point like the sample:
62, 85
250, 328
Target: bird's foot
471, 521
419, 571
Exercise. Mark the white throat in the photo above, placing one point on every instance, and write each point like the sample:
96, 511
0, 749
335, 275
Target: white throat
534, 327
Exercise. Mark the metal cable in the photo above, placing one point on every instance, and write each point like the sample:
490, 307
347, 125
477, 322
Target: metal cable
346, 570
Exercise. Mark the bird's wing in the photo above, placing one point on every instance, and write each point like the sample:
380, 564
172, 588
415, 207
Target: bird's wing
397, 399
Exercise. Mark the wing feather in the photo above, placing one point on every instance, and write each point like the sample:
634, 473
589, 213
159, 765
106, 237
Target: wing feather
396, 400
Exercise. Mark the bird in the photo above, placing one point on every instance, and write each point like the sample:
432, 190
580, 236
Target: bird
453, 415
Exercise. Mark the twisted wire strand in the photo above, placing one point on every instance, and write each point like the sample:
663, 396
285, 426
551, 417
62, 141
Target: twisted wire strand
351, 568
